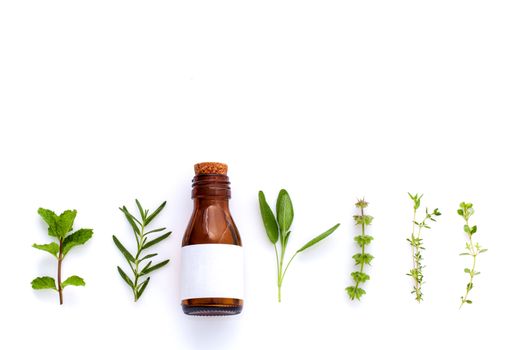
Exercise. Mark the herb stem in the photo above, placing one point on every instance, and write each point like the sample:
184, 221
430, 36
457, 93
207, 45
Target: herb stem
59, 271
361, 268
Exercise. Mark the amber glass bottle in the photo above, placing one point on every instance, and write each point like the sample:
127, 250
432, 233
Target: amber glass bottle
212, 266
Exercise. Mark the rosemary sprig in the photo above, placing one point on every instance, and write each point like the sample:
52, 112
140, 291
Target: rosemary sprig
473, 249
362, 258
416, 243
278, 231
142, 239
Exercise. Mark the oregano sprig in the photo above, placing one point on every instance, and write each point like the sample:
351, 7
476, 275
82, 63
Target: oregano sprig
143, 241
361, 258
278, 231
60, 228
416, 243
473, 249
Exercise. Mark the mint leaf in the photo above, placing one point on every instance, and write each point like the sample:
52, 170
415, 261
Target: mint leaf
51, 248
73, 281
51, 220
77, 238
65, 222
44, 282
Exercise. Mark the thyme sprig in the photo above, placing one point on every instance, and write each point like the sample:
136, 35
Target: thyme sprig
361, 258
416, 243
473, 249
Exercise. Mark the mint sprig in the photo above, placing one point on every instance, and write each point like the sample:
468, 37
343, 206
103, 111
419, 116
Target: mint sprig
278, 232
473, 249
362, 258
60, 228
143, 239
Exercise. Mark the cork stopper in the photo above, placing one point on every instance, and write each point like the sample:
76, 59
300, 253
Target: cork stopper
211, 168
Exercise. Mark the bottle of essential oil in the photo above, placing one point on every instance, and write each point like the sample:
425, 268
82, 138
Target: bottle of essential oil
212, 266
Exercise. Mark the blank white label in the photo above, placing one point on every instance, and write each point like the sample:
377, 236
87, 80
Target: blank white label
212, 271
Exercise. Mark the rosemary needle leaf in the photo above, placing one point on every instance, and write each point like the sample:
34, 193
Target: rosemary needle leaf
131, 219
125, 277
156, 240
142, 287
142, 214
123, 250
154, 214
154, 267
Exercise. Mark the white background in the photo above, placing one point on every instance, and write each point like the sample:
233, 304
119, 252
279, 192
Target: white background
105, 101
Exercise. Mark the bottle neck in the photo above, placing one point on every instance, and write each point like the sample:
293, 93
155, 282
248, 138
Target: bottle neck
211, 188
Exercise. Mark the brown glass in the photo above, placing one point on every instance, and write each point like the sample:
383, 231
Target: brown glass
211, 223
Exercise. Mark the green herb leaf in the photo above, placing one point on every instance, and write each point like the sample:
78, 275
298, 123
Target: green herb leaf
44, 282
156, 240
50, 219
284, 211
154, 214
270, 224
65, 222
363, 240
318, 238
154, 267
142, 213
51, 248
79, 237
132, 220
142, 287
73, 281
125, 277
123, 250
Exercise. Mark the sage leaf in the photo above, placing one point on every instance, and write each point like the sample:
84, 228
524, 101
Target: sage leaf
270, 224
284, 211
318, 238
